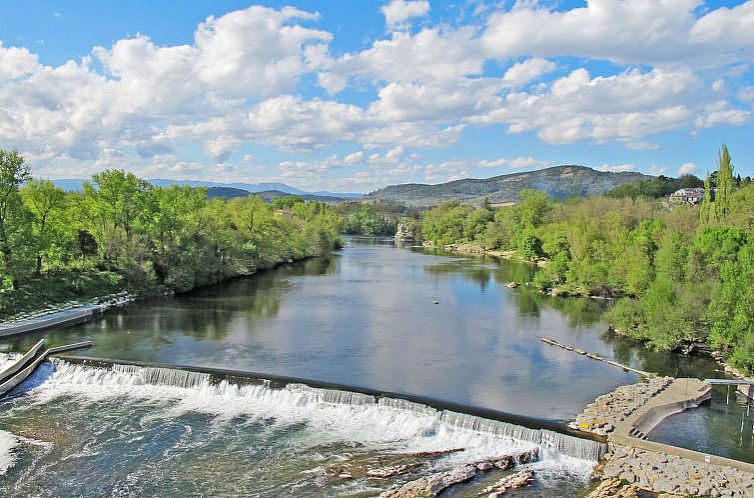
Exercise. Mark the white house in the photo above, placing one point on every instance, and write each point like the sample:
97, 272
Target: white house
688, 195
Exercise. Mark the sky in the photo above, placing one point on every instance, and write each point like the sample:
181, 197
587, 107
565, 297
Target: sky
350, 96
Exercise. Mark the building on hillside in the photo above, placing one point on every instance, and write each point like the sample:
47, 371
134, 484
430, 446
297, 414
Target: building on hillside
687, 196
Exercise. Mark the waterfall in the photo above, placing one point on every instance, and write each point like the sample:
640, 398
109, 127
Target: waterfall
374, 416
333, 395
408, 406
165, 376
584, 449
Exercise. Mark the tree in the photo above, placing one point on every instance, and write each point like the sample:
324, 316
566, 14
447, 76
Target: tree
706, 213
46, 203
725, 184
111, 212
13, 216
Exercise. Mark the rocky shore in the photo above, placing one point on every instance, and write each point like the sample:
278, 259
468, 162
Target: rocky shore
603, 415
628, 471
660, 473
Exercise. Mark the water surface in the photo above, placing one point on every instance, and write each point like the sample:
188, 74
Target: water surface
373, 315
381, 317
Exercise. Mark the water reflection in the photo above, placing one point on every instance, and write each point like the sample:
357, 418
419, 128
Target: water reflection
723, 427
399, 319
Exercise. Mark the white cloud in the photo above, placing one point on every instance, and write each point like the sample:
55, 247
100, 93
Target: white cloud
293, 123
194, 91
524, 72
746, 93
624, 107
640, 31
394, 155
241, 80
720, 112
354, 158
514, 163
616, 168
686, 169
398, 12
419, 135
429, 55
445, 101
16, 62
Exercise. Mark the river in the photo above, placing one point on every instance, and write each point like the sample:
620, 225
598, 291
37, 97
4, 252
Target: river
372, 315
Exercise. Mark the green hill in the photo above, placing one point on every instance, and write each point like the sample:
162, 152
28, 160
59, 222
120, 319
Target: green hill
560, 182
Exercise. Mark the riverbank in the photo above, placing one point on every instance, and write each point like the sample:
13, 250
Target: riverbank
63, 315
72, 312
693, 347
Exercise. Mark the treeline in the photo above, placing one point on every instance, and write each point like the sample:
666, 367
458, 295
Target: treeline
373, 218
121, 232
662, 186
680, 275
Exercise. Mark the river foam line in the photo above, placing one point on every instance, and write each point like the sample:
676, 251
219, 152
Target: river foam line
342, 415
8, 442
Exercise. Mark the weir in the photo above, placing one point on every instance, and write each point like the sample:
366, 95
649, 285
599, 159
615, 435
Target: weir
549, 435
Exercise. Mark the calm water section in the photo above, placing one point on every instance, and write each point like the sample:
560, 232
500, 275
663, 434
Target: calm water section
389, 318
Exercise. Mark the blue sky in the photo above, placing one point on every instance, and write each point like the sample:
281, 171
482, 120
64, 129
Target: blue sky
352, 96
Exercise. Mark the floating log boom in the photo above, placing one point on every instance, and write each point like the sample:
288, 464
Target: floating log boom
593, 356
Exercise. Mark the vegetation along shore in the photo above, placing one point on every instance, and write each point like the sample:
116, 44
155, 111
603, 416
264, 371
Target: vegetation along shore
680, 274
123, 234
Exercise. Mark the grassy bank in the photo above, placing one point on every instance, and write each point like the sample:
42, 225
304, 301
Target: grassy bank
53, 290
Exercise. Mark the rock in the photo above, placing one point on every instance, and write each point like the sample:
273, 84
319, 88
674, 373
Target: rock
433, 485
393, 470
405, 233
512, 285
513, 481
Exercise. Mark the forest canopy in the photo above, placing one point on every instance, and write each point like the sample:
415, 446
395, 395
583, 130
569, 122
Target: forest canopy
122, 233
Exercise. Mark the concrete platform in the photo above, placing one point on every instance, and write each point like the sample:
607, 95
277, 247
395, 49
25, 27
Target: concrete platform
56, 319
677, 397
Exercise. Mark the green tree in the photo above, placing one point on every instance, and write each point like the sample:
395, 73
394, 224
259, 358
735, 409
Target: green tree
706, 211
14, 232
725, 184
50, 224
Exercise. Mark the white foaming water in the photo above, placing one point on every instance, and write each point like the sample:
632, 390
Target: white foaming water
8, 441
332, 415
8, 359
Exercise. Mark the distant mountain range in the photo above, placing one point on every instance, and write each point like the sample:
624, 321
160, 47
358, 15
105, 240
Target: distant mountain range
76, 185
559, 182
270, 195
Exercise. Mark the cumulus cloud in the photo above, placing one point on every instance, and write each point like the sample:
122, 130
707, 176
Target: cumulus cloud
524, 72
78, 112
398, 12
432, 54
626, 107
616, 168
354, 158
246, 78
640, 31
686, 169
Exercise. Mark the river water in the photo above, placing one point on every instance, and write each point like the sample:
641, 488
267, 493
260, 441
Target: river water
373, 315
